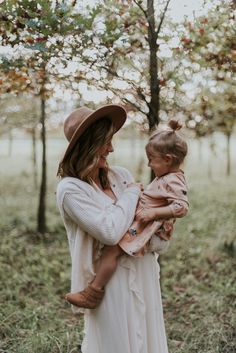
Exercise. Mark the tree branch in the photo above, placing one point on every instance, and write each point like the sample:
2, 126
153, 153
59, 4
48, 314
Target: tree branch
141, 8
109, 71
162, 17
107, 87
134, 105
142, 96
114, 73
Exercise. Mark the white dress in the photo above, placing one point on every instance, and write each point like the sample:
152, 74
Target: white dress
130, 317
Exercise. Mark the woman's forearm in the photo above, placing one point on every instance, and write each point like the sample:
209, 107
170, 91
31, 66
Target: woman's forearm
106, 224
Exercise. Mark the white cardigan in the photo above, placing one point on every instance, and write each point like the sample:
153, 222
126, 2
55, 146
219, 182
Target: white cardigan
92, 220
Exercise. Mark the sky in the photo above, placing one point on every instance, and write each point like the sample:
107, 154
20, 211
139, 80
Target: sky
178, 8
181, 8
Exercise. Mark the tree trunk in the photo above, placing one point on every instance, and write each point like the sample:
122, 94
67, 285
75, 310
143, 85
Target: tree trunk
139, 169
41, 227
34, 157
10, 140
154, 105
210, 157
199, 149
228, 168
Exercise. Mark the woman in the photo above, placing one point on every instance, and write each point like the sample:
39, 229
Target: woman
97, 205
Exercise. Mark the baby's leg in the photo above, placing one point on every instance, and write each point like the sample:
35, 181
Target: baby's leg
107, 266
91, 296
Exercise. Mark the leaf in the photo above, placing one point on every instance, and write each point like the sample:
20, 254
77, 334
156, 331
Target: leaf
179, 289
177, 343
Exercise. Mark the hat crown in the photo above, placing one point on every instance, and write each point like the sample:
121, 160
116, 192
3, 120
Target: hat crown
74, 120
81, 119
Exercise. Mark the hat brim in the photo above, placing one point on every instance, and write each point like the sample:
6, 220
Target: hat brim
115, 113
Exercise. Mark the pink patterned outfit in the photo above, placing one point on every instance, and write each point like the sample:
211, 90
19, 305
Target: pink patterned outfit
169, 190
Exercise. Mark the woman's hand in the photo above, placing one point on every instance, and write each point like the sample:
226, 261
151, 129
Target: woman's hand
139, 185
146, 215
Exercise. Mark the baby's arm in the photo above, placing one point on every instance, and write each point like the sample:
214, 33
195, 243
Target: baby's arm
153, 214
177, 209
174, 191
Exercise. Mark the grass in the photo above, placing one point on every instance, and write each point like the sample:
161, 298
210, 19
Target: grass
197, 273
34, 277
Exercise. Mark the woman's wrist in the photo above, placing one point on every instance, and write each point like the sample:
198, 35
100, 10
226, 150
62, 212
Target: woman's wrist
133, 189
138, 187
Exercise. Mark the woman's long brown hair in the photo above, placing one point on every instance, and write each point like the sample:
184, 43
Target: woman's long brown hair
83, 159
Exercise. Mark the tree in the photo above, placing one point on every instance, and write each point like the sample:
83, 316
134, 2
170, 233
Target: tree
44, 36
21, 112
125, 54
212, 55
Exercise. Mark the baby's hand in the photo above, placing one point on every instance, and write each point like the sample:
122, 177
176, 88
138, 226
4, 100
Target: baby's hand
146, 215
139, 185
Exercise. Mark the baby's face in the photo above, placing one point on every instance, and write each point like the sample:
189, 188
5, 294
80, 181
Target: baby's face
157, 162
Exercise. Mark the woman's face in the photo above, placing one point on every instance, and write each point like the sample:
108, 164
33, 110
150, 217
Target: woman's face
103, 154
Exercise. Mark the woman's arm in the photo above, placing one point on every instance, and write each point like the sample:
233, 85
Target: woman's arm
105, 223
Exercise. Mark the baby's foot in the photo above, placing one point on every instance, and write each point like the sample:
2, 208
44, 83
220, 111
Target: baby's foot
89, 298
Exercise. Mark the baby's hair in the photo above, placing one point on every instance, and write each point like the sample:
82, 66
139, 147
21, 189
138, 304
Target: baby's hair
174, 124
169, 142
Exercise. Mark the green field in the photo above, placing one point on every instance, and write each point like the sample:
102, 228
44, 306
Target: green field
197, 273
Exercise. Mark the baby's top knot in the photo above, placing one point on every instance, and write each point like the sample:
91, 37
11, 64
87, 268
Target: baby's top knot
174, 125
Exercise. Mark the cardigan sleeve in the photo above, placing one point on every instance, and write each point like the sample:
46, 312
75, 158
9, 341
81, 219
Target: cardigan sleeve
105, 223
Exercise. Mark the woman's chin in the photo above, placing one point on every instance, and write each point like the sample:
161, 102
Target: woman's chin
102, 164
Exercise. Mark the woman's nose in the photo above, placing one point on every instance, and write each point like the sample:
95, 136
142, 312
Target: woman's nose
110, 147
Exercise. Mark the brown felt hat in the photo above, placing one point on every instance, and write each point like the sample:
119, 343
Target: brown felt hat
80, 119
